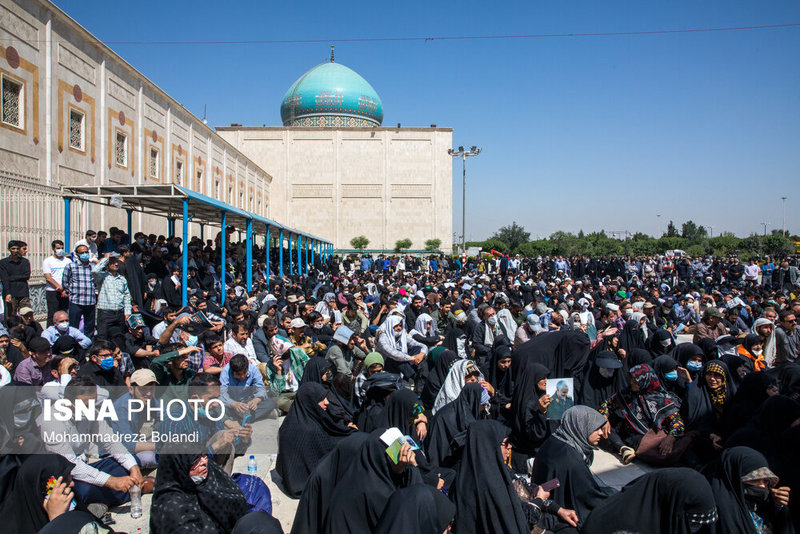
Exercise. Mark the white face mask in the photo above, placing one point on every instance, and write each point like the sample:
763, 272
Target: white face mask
571, 303
757, 352
665, 343
606, 373
628, 312
492, 321
62, 326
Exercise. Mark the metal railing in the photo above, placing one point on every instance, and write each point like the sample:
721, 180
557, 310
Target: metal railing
33, 212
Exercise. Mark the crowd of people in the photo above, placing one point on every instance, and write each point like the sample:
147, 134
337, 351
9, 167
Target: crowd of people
501, 375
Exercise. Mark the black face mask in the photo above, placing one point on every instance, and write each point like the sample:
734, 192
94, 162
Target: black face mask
756, 494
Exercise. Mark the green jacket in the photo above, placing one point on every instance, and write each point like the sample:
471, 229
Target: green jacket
298, 359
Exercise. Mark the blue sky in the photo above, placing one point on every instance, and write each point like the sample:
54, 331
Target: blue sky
577, 133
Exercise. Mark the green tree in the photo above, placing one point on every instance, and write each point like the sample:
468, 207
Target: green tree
778, 245
359, 243
671, 230
402, 244
693, 233
495, 244
513, 235
433, 244
695, 251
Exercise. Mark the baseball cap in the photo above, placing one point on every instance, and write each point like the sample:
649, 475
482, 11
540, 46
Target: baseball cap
25, 310
143, 377
298, 322
713, 312
648, 305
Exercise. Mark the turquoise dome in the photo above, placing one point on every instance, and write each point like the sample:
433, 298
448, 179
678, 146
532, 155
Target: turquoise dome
331, 95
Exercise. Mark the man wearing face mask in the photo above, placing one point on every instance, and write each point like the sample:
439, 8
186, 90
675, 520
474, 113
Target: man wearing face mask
53, 270
103, 366
90, 242
78, 283
484, 334
61, 328
152, 292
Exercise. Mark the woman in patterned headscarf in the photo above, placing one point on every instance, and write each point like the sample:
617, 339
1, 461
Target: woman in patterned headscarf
705, 402
643, 406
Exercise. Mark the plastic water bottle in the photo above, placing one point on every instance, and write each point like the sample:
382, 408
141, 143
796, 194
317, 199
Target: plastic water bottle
136, 501
252, 467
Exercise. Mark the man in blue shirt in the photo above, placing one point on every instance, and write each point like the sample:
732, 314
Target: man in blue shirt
62, 328
242, 390
767, 268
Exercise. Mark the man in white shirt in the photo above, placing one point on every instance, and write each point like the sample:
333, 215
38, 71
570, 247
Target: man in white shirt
90, 242
751, 272
240, 343
53, 269
106, 481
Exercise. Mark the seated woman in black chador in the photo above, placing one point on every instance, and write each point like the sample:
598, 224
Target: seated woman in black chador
491, 499
747, 494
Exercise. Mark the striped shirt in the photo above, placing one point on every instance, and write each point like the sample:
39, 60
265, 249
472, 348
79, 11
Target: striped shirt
78, 282
114, 294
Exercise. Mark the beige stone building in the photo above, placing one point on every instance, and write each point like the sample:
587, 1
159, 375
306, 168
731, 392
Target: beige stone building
338, 183
75, 113
337, 173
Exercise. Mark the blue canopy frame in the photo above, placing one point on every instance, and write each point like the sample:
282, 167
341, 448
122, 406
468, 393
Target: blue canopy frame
173, 201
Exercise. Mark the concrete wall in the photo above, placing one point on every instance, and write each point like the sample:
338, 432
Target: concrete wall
63, 67
384, 183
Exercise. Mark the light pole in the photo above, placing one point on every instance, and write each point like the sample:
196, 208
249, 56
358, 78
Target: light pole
764, 224
784, 216
464, 154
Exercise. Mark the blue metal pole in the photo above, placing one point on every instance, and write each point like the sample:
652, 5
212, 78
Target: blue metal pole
222, 263
67, 229
185, 246
130, 226
300, 255
280, 254
266, 246
291, 256
249, 268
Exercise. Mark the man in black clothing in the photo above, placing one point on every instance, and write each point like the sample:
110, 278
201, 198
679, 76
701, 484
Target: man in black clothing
15, 271
103, 366
412, 311
132, 271
156, 264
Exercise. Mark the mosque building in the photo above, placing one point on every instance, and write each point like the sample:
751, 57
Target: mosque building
341, 174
